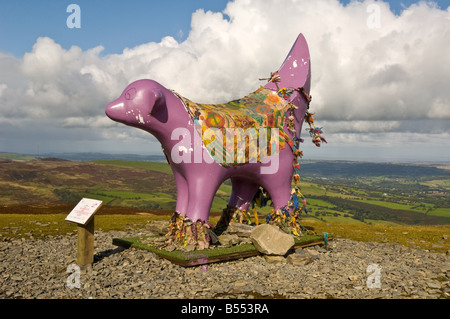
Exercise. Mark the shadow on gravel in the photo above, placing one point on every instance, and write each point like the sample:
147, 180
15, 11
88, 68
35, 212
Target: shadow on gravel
100, 256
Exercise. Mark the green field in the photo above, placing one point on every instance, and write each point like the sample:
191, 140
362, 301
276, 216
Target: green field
397, 205
444, 212
345, 196
412, 210
17, 157
439, 182
39, 226
121, 198
421, 208
309, 188
153, 166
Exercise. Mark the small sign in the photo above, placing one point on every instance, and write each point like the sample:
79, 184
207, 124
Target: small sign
84, 211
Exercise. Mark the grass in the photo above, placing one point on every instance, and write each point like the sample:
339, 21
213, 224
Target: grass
319, 203
440, 212
438, 182
40, 226
423, 208
154, 166
206, 255
139, 242
391, 205
27, 224
43, 225
444, 212
129, 198
17, 157
164, 200
150, 185
423, 237
332, 219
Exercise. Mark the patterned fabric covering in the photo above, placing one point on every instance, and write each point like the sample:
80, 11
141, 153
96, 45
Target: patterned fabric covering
245, 118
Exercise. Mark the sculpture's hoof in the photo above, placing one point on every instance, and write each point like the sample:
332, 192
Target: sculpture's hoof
186, 234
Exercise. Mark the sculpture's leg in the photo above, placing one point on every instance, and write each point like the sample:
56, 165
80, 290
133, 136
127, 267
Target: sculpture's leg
242, 193
182, 194
278, 185
201, 194
286, 210
241, 197
280, 194
193, 229
174, 226
279, 191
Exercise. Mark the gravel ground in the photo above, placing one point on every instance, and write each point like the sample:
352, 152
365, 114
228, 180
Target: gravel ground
345, 269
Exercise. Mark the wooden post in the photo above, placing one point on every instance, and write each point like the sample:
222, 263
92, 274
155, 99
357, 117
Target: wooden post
83, 216
85, 244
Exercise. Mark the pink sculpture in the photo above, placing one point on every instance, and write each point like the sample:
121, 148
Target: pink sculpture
273, 114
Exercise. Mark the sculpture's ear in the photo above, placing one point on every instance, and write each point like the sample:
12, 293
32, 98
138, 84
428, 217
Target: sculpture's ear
156, 99
295, 72
157, 105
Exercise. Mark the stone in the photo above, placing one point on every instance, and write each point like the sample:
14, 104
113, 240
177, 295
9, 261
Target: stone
188, 248
270, 240
227, 240
244, 240
321, 249
434, 284
170, 248
299, 259
312, 252
240, 230
274, 259
159, 226
408, 273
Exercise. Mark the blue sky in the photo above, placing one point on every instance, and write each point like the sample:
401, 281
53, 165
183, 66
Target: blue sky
113, 24
380, 92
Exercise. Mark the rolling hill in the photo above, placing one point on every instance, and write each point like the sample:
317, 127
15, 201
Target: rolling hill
336, 191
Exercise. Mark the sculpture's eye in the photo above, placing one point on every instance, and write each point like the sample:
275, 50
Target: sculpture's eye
130, 94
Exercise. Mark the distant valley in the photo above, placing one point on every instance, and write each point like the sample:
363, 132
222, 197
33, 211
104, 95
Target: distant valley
336, 191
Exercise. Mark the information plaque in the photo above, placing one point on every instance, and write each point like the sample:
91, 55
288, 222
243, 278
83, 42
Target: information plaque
84, 211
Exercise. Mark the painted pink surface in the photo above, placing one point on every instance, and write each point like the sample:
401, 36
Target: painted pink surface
147, 105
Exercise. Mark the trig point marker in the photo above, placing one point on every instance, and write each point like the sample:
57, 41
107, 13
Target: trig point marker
83, 216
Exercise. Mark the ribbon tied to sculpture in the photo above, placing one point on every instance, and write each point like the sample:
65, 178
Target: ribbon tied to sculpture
245, 118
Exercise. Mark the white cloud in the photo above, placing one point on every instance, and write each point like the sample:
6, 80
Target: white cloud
439, 108
80, 122
364, 79
360, 126
3, 87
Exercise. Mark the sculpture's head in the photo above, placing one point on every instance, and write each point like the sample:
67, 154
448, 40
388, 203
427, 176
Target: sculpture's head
142, 105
